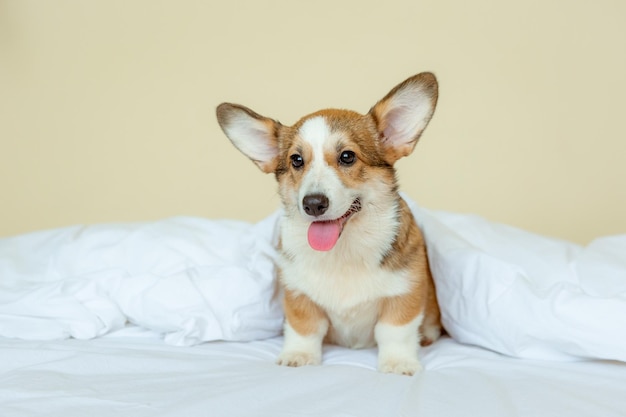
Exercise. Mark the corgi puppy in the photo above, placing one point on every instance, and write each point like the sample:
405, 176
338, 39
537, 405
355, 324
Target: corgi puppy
353, 264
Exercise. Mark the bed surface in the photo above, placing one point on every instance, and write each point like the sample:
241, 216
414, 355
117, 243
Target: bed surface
133, 373
182, 317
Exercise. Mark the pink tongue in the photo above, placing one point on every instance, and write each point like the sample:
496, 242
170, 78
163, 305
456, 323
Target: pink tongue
323, 235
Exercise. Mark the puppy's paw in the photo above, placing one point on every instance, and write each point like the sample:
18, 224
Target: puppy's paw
399, 365
430, 334
294, 358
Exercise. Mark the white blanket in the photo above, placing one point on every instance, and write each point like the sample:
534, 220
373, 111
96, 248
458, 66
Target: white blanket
197, 280
192, 279
526, 295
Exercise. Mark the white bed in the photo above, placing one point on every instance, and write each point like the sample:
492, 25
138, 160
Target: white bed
139, 375
181, 318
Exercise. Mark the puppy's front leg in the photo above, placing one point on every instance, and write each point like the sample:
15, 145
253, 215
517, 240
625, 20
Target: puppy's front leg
305, 328
397, 336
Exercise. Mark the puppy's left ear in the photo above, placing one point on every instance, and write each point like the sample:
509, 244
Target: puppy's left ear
403, 114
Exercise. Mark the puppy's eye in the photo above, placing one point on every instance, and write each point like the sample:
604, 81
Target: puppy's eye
347, 158
297, 161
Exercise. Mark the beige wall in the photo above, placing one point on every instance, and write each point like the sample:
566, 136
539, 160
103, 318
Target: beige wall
107, 108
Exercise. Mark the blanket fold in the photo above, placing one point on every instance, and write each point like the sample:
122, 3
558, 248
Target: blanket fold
526, 295
193, 280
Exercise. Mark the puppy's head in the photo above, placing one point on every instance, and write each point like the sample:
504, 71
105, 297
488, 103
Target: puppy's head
332, 164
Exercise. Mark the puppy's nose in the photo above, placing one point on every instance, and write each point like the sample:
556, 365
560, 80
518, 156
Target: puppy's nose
315, 204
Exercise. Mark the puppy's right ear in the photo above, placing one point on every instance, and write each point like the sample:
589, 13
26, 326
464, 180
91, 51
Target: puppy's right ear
254, 135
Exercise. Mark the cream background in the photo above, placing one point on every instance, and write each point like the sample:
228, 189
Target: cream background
107, 108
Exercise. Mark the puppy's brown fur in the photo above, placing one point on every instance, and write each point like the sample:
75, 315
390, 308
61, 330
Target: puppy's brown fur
354, 266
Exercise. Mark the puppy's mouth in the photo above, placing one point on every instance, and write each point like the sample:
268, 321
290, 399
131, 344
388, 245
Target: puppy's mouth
323, 235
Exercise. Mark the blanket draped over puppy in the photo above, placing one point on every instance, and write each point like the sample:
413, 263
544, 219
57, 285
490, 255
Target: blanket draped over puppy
198, 280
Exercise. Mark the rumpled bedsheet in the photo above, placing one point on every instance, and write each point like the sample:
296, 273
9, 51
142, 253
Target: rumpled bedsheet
192, 279
526, 295
197, 280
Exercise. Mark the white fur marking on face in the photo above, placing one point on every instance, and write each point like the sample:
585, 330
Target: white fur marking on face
316, 132
322, 178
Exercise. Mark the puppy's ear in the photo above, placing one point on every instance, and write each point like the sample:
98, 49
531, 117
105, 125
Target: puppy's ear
402, 115
254, 135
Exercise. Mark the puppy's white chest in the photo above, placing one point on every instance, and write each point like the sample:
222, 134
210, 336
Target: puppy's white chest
338, 287
349, 293
354, 327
